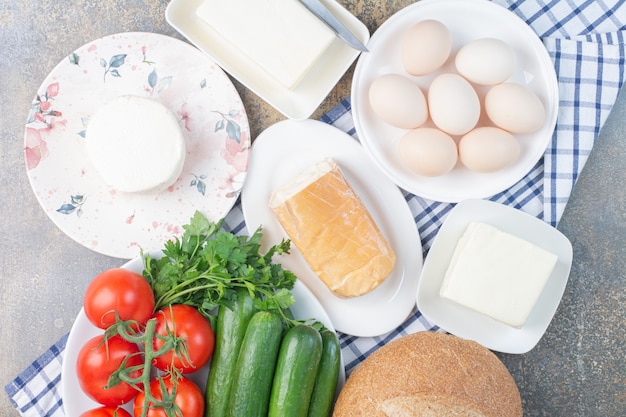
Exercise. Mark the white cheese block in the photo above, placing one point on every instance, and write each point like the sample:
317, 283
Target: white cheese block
497, 274
135, 144
281, 36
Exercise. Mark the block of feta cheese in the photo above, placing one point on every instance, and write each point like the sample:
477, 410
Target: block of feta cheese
333, 229
281, 36
497, 274
135, 144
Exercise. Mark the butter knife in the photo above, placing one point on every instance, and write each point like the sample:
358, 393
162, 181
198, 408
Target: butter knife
321, 12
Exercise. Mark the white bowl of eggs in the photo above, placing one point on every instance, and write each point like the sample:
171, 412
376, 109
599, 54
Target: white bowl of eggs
456, 99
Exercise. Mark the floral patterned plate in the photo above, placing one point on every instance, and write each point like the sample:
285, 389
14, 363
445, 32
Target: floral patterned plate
211, 115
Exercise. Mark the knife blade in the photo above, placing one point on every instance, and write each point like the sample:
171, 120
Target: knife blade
321, 12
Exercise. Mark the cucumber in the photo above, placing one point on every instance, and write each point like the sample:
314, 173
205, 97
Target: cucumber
229, 332
296, 369
323, 396
252, 380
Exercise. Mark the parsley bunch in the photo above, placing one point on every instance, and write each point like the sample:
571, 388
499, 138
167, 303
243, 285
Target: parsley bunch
206, 266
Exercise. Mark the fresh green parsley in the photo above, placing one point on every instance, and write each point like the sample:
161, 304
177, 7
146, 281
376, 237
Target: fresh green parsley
206, 266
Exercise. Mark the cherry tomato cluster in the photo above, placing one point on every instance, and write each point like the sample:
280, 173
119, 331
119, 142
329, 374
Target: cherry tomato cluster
142, 354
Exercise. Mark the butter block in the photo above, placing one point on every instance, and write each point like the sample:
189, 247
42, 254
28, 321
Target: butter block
497, 274
281, 36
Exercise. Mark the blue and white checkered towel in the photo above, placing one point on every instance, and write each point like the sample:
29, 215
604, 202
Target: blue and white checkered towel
586, 40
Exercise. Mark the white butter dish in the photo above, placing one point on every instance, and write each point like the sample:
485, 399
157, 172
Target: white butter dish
295, 87
470, 324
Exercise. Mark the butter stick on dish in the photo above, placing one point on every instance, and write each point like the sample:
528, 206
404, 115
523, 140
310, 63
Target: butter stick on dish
281, 36
334, 231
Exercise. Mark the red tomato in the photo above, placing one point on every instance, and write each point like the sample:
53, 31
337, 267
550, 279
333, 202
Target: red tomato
106, 411
189, 398
118, 290
98, 360
186, 323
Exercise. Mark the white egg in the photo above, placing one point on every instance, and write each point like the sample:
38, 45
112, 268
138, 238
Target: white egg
486, 61
515, 108
428, 151
488, 149
453, 104
426, 47
398, 101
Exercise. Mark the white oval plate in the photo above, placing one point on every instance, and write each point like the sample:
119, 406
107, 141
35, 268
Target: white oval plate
75, 402
467, 20
280, 153
470, 324
165, 69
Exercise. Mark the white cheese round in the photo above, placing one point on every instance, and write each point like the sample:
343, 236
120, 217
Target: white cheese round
136, 144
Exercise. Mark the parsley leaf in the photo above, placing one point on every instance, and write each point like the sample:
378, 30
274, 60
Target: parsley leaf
207, 265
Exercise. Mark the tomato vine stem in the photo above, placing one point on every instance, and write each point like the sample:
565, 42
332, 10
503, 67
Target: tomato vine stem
127, 330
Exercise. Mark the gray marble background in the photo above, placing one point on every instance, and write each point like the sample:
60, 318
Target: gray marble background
578, 369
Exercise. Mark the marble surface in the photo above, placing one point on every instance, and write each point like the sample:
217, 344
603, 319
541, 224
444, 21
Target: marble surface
577, 369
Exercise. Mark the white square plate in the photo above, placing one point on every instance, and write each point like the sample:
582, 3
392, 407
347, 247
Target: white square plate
470, 324
297, 103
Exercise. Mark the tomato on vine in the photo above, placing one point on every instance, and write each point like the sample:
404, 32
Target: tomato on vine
194, 338
97, 366
106, 411
188, 400
118, 292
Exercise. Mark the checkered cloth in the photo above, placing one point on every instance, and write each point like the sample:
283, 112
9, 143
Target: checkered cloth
585, 39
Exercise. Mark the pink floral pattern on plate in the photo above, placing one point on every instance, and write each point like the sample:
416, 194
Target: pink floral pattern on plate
211, 115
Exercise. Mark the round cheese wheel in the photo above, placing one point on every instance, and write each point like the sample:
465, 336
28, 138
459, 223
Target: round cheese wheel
136, 144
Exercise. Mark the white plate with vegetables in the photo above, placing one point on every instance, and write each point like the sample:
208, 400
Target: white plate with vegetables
284, 150
75, 401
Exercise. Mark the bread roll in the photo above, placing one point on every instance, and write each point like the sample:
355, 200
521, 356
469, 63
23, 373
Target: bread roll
333, 230
429, 374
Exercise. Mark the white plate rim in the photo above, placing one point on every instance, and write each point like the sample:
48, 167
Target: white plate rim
82, 330
481, 185
64, 182
288, 147
469, 324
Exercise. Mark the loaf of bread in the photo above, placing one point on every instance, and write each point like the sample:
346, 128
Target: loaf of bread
334, 231
428, 374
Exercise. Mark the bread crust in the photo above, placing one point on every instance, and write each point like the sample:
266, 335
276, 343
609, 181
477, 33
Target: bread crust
430, 374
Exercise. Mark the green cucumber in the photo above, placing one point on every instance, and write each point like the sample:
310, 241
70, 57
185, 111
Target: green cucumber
229, 332
296, 369
323, 396
252, 380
